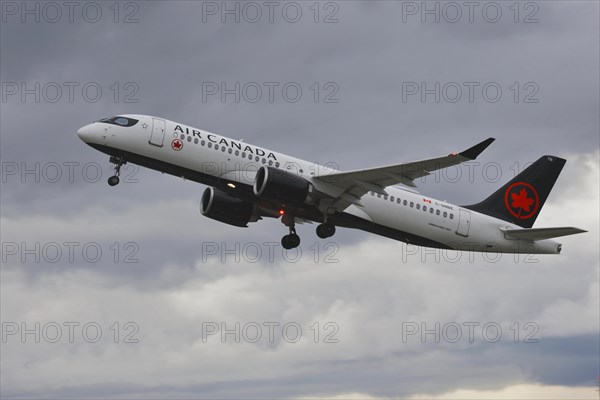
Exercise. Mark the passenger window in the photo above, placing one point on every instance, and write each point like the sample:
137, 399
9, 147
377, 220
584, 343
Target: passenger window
182, 137
196, 141
418, 206
277, 164
202, 143
412, 204
209, 145
237, 152
270, 162
431, 210
385, 197
216, 147
256, 158
451, 216
392, 198
264, 161
189, 139
445, 214
405, 202
229, 151
398, 201
243, 155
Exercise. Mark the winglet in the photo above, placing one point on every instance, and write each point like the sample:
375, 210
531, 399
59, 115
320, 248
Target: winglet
476, 150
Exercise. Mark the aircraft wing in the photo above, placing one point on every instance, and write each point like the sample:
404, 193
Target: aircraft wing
534, 234
349, 187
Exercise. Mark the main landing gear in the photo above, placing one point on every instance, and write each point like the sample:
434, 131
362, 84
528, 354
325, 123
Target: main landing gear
292, 240
114, 180
325, 230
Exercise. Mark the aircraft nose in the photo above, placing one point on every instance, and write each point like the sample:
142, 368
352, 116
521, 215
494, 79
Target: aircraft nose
85, 133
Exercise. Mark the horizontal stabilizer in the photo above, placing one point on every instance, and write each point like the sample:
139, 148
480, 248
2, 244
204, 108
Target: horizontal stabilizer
534, 234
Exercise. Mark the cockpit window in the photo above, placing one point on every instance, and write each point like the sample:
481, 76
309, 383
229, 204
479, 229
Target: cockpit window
121, 121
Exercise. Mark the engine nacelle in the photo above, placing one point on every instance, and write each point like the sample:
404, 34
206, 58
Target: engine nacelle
277, 184
218, 205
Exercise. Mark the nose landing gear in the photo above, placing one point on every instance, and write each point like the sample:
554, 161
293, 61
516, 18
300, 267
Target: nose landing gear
114, 180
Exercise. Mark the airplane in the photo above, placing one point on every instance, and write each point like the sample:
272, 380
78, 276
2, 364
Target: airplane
247, 183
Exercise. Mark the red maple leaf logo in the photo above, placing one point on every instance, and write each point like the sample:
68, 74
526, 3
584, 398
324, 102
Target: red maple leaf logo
177, 144
521, 200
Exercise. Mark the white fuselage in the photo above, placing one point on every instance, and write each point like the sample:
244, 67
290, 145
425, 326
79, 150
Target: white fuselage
235, 161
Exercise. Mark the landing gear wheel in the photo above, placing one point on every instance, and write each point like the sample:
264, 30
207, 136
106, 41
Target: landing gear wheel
294, 240
113, 180
285, 242
325, 230
290, 241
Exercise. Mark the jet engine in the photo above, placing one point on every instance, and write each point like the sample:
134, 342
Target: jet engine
218, 205
282, 185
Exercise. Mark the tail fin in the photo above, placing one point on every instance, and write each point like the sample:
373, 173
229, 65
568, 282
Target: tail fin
521, 199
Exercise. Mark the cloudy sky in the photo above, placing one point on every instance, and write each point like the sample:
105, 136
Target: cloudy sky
128, 292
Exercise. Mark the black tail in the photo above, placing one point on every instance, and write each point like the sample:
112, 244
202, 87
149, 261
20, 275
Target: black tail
521, 200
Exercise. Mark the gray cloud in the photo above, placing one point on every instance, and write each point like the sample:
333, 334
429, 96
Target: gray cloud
375, 284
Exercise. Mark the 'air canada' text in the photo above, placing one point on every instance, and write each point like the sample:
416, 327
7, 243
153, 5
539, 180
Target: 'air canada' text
226, 142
